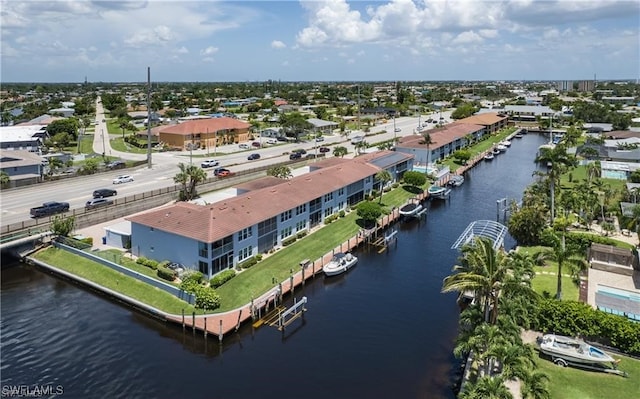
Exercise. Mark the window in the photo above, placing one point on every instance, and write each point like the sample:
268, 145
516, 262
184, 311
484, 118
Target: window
301, 209
328, 197
328, 212
203, 267
245, 253
301, 225
286, 232
152, 229
203, 249
341, 205
341, 191
245, 233
284, 216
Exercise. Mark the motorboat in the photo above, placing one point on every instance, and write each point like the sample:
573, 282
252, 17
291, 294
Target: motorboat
501, 147
505, 143
455, 180
410, 209
439, 192
340, 263
518, 135
495, 151
571, 350
489, 156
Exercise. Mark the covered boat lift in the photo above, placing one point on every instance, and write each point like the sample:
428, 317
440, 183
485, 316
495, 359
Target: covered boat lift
484, 228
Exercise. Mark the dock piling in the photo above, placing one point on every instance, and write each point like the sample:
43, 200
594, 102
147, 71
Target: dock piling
205, 327
193, 321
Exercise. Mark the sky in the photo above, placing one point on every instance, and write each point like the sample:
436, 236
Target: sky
323, 40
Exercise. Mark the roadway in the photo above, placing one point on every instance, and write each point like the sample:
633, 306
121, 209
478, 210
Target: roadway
78, 190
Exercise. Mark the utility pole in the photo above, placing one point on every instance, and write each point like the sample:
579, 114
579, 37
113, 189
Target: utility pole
149, 117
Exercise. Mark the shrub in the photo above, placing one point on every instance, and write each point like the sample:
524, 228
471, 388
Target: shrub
222, 277
258, 257
147, 262
341, 214
248, 263
88, 240
166, 274
289, 241
302, 234
194, 276
395, 185
164, 263
207, 298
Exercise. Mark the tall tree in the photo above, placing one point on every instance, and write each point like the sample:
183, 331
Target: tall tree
427, 140
189, 176
558, 162
383, 177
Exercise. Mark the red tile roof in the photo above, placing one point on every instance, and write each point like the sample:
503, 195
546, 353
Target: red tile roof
440, 136
209, 223
485, 119
206, 125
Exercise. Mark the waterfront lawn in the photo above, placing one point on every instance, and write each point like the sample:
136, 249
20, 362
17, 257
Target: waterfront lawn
480, 147
575, 383
114, 280
546, 285
258, 279
115, 256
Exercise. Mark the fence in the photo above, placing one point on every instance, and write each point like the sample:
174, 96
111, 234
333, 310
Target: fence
175, 291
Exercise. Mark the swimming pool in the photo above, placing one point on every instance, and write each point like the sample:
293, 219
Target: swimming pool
617, 301
614, 174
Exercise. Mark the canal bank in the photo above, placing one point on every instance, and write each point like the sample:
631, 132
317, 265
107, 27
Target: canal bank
381, 330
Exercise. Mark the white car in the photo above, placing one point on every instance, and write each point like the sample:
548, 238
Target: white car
272, 141
397, 130
122, 179
209, 163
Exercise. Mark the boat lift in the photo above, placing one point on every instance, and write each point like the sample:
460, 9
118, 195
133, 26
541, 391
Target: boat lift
288, 316
485, 228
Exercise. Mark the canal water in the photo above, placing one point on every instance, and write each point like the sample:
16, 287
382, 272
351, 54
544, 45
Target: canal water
382, 330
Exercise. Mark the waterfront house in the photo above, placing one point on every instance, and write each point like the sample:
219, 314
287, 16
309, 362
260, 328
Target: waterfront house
214, 237
205, 133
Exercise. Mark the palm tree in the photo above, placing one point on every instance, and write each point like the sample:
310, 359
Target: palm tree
4, 178
340, 151
487, 388
594, 169
534, 385
559, 162
189, 176
426, 139
482, 270
565, 255
383, 177
281, 172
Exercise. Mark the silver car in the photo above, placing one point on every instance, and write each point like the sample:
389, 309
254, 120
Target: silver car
122, 179
97, 203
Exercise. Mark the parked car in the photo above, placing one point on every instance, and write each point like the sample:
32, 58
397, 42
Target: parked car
324, 149
272, 141
97, 203
295, 155
221, 172
253, 156
244, 146
281, 138
104, 192
116, 165
210, 163
397, 130
122, 179
256, 144
319, 139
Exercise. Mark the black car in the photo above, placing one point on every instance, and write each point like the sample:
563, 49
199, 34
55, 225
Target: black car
116, 165
295, 155
104, 192
253, 156
324, 149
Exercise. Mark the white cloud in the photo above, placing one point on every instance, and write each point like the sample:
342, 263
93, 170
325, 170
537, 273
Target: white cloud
182, 50
467, 38
277, 44
148, 37
209, 51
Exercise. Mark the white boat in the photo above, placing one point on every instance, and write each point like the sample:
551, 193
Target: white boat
501, 147
518, 135
456, 180
572, 350
495, 151
410, 209
505, 143
439, 192
488, 156
340, 263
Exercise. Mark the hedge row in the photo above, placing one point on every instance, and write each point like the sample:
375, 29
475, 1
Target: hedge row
222, 277
576, 318
148, 262
166, 273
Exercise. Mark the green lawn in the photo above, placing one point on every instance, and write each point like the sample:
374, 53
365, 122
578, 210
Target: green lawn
113, 280
248, 284
545, 285
118, 144
480, 147
574, 383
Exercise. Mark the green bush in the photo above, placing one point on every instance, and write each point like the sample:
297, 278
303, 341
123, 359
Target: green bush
207, 298
147, 262
166, 274
341, 214
222, 277
88, 240
575, 318
248, 263
289, 241
258, 257
302, 234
